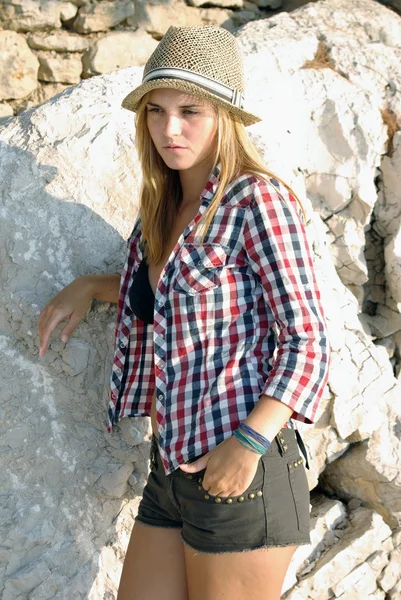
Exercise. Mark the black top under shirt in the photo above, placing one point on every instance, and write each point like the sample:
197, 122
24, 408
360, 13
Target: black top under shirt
141, 296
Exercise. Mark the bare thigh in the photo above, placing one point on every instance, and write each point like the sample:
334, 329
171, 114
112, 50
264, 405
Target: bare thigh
154, 565
257, 574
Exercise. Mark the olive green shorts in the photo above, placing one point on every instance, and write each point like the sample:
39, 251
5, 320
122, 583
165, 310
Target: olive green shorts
273, 511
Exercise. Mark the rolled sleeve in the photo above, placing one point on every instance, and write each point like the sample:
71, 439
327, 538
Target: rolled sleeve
279, 253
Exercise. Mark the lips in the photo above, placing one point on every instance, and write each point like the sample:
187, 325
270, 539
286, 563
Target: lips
172, 147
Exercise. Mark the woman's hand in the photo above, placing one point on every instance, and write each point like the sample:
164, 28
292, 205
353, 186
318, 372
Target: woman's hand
71, 303
230, 468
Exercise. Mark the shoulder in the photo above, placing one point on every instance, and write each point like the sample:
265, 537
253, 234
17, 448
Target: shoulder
251, 190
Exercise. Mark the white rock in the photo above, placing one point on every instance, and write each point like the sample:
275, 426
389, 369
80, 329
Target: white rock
115, 484
76, 356
61, 68
19, 66
326, 515
389, 344
365, 533
156, 19
68, 11
376, 463
103, 15
60, 41
385, 322
217, 3
359, 583
273, 4
118, 50
30, 15
6, 110
391, 574
79, 2
45, 92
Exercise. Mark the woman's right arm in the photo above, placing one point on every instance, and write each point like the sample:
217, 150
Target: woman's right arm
72, 303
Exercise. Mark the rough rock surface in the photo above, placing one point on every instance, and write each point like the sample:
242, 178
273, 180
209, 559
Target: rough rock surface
60, 41
59, 68
103, 15
156, 19
19, 67
68, 201
118, 50
31, 15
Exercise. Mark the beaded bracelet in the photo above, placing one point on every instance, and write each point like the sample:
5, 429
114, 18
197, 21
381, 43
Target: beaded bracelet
249, 431
249, 443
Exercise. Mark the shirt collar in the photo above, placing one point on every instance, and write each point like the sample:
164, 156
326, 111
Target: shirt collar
212, 184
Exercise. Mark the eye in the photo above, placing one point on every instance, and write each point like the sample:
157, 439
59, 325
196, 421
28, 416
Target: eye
154, 110
188, 111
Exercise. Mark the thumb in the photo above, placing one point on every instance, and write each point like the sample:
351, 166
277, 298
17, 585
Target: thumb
197, 465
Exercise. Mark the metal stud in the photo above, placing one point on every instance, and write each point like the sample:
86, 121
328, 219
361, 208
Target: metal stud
200, 488
290, 465
207, 496
240, 499
259, 493
251, 496
217, 500
285, 446
199, 479
229, 501
189, 477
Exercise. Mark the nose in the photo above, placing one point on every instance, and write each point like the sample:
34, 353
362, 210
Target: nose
172, 126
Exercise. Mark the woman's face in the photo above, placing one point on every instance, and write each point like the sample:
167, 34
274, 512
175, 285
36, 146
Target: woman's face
183, 128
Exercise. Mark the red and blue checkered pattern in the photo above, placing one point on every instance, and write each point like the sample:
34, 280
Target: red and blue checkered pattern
236, 317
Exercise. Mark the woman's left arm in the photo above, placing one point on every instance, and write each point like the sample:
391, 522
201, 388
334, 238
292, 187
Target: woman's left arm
279, 253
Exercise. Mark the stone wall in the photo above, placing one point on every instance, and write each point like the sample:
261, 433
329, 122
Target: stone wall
48, 45
327, 81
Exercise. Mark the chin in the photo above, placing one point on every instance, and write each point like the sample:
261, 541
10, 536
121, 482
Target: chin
177, 163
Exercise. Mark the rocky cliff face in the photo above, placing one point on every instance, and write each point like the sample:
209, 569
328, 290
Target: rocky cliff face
327, 80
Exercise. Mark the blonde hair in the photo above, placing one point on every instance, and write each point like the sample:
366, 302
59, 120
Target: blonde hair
161, 192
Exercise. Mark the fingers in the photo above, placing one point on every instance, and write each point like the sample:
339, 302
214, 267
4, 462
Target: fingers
47, 322
197, 465
71, 325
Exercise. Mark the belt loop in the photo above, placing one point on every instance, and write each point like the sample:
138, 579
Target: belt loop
152, 457
281, 442
303, 449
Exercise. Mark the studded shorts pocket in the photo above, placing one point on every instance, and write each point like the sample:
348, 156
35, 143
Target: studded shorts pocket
300, 492
253, 492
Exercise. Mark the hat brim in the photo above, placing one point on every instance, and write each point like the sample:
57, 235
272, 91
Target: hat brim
131, 101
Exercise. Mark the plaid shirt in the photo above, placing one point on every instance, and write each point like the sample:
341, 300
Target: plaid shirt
235, 317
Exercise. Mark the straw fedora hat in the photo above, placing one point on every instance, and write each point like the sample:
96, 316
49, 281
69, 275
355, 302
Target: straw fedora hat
203, 60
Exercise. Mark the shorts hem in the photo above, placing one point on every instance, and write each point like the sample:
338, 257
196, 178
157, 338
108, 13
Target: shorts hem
164, 524
229, 549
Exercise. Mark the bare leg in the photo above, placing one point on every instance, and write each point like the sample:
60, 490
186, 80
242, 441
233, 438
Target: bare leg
257, 574
154, 565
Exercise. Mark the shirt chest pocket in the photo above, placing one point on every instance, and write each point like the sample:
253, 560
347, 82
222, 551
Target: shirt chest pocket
199, 268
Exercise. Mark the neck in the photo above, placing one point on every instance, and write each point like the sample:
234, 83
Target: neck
193, 183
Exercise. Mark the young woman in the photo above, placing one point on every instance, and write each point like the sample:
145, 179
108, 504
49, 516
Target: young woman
220, 336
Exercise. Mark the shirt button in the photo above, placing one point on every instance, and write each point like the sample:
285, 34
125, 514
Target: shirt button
162, 335
160, 397
160, 364
121, 344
